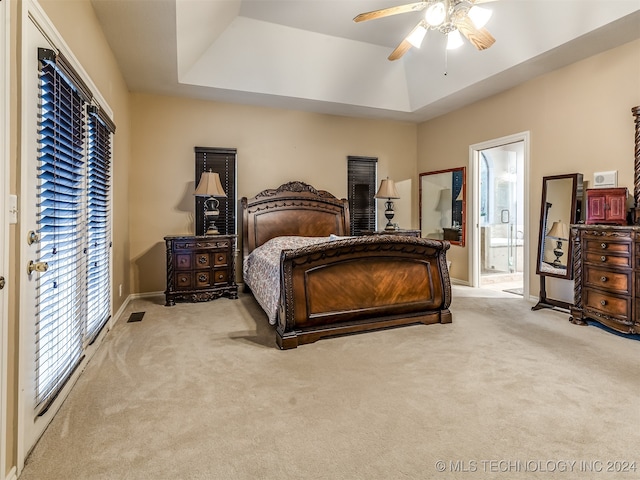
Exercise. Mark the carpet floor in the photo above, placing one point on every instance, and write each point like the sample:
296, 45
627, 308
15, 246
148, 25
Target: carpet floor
200, 391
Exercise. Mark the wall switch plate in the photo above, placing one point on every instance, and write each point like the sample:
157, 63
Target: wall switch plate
13, 209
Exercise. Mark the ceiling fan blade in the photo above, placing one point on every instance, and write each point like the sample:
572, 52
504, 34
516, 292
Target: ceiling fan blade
406, 44
400, 50
479, 38
386, 12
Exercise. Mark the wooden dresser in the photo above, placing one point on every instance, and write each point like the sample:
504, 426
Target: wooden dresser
607, 276
200, 268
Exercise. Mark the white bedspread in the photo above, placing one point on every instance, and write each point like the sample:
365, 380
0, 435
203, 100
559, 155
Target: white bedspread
261, 270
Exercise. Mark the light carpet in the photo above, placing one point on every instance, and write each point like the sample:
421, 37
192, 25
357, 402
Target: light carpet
200, 391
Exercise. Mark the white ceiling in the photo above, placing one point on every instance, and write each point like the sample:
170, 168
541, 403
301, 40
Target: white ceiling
310, 55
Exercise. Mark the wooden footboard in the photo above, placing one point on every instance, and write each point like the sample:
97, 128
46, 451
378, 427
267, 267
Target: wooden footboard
361, 284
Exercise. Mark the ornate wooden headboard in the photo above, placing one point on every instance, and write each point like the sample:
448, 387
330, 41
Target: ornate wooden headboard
294, 208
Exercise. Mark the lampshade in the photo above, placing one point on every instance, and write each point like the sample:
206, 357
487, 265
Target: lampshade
387, 189
454, 40
417, 35
435, 14
479, 16
210, 186
460, 196
559, 230
444, 200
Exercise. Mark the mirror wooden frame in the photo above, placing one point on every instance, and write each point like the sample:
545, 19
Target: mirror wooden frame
566, 191
433, 205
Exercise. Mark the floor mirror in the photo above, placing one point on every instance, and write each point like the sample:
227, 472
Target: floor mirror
561, 207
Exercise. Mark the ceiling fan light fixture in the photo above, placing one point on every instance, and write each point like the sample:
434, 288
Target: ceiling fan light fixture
454, 40
435, 14
417, 35
479, 16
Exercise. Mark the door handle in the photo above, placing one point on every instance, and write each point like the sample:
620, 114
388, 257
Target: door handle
37, 267
1, 283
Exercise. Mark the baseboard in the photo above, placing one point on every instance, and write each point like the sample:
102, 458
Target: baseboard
12, 474
456, 281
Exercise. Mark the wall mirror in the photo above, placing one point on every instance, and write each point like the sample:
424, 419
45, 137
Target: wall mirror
442, 205
561, 207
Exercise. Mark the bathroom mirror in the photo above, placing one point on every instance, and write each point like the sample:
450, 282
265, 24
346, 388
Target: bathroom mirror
561, 206
442, 205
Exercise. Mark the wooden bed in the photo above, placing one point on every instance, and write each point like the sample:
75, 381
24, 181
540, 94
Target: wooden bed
349, 285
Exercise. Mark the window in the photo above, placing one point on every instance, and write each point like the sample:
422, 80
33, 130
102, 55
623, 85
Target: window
361, 173
74, 218
223, 162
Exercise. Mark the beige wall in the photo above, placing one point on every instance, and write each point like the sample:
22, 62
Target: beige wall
77, 24
580, 122
274, 146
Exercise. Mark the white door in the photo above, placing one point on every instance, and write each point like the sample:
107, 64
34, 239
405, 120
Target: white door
499, 219
30, 424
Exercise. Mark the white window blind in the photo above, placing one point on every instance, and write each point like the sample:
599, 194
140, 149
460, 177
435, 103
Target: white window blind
61, 167
98, 224
74, 224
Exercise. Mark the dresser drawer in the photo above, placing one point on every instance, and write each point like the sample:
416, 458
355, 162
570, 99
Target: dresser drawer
609, 280
605, 259
607, 245
608, 304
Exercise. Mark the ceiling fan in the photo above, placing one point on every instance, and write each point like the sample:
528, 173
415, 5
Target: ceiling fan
449, 17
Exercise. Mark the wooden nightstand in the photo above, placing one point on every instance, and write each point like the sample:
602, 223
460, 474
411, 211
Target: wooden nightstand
407, 233
200, 268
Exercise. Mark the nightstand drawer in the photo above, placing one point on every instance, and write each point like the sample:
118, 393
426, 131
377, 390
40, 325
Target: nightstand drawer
203, 279
183, 280
220, 275
220, 258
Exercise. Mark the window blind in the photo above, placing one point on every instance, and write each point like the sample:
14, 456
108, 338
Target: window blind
98, 224
223, 162
59, 325
361, 175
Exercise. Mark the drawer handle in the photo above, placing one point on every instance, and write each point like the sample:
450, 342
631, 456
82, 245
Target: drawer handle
202, 260
603, 245
220, 257
603, 279
202, 277
220, 276
603, 302
603, 258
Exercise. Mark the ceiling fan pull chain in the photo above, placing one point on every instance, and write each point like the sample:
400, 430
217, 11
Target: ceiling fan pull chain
446, 62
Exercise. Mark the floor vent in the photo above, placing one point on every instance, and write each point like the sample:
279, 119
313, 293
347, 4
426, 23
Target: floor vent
135, 317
